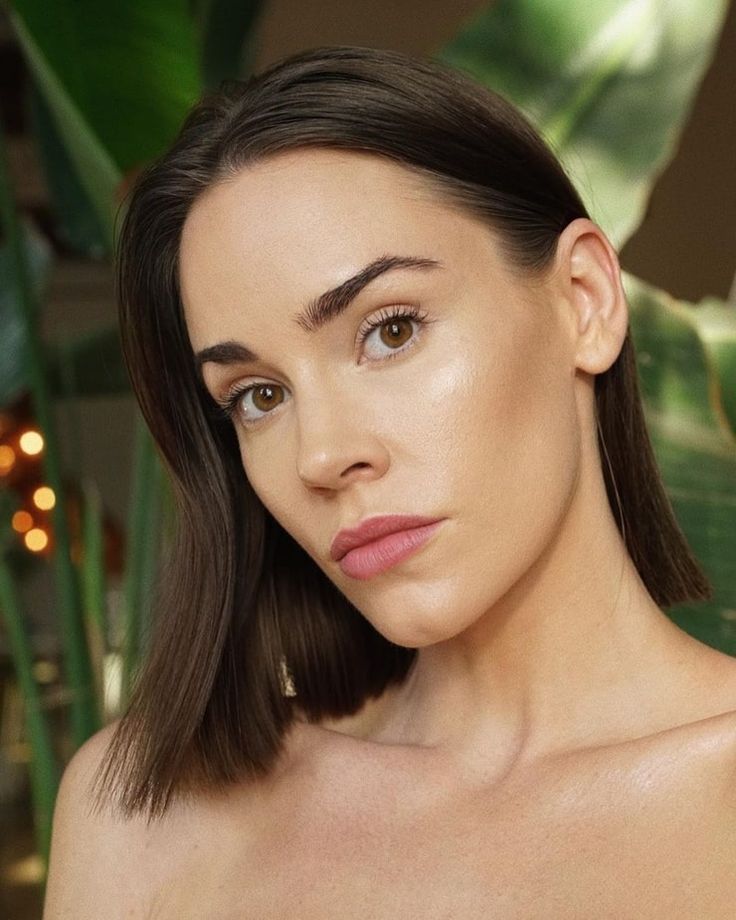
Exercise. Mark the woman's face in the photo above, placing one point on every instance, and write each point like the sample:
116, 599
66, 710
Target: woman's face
466, 410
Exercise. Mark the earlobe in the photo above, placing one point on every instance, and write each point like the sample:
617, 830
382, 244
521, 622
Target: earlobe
589, 271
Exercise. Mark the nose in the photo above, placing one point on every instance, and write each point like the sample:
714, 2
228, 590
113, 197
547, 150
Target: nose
336, 446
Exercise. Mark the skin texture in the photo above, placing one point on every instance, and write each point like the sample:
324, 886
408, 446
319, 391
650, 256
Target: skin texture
562, 749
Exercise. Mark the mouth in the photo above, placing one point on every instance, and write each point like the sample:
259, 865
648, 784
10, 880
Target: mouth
370, 558
373, 529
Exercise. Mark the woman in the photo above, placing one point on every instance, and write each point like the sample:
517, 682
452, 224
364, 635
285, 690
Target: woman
409, 656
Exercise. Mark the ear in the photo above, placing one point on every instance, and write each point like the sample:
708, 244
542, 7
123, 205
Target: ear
588, 278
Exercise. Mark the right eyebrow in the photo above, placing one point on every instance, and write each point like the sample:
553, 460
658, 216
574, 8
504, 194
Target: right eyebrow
319, 311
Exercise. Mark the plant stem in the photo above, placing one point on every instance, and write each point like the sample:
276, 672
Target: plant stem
84, 712
43, 767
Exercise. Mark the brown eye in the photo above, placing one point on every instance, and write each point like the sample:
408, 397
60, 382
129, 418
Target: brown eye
263, 398
396, 332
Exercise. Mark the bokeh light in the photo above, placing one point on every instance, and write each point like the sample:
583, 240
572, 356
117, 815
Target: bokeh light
7, 459
31, 442
44, 498
22, 521
36, 539
45, 671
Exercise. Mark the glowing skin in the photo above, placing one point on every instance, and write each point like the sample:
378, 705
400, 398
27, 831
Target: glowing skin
535, 631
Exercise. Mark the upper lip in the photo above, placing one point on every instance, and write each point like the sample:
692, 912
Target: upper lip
372, 529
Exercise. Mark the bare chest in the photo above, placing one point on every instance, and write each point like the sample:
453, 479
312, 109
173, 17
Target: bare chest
613, 839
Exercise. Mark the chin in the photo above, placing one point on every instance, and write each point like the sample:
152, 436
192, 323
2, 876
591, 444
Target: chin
417, 634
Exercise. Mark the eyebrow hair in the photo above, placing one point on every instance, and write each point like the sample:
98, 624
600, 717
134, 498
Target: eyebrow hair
319, 311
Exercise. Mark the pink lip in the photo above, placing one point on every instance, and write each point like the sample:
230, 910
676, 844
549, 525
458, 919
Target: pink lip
373, 529
378, 555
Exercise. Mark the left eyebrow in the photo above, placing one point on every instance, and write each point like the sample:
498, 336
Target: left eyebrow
319, 311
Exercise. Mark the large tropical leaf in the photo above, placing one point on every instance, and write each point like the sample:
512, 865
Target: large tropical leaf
76, 221
609, 84
113, 86
687, 370
118, 79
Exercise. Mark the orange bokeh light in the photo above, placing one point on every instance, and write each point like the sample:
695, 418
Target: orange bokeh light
7, 459
44, 498
22, 521
36, 539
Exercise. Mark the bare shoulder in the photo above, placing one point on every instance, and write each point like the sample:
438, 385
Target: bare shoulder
90, 854
141, 869
705, 746
74, 801
713, 715
717, 736
719, 697
74, 789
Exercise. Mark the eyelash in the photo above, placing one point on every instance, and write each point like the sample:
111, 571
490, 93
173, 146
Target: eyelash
227, 407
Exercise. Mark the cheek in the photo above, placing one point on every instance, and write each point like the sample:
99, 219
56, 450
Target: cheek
266, 480
504, 456
522, 459
274, 482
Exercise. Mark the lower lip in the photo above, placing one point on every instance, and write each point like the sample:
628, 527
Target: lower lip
380, 555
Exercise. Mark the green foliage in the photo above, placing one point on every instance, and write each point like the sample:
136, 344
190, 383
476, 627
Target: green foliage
609, 84
14, 380
687, 372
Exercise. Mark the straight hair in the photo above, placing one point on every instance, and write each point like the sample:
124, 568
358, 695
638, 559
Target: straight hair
247, 630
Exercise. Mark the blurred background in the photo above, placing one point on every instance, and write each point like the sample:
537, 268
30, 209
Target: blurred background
636, 96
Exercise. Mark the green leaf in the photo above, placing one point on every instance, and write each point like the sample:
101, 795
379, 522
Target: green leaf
609, 84
76, 221
687, 369
44, 770
14, 379
118, 78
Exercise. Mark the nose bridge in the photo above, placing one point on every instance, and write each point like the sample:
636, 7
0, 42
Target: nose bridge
333, 439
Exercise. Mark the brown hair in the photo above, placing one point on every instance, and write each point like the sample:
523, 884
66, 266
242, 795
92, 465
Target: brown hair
238, 594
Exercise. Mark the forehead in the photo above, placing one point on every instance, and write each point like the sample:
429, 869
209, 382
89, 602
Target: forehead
284, 229
297, 195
